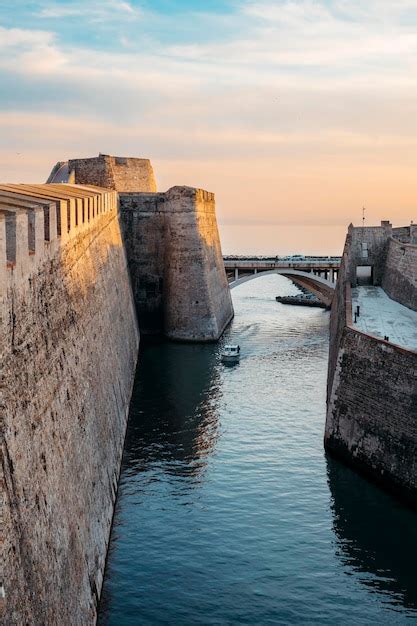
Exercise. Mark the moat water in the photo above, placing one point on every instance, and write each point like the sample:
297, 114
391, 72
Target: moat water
228, 510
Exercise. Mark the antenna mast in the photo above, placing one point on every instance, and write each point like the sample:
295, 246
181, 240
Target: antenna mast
363, 217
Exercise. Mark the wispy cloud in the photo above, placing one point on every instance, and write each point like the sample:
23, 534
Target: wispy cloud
101, 10
30, 51
330, 37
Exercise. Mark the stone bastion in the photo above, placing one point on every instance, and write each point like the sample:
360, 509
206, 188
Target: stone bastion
70, 253
372, 379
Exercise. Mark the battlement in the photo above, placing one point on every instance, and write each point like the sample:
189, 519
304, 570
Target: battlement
36, 219
122, 174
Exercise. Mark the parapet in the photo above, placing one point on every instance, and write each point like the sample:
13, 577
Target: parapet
406, 234
178, 199
36, 219
123, 174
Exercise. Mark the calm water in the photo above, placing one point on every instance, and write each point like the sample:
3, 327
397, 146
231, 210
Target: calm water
228, 510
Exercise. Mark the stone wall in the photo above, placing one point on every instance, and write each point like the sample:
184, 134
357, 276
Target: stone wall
400, 274
173, 248
368, 246
118, 173
176, 264
372, 384
406, 234
338, 313
372, 411
143, 223
69, 344
198, 301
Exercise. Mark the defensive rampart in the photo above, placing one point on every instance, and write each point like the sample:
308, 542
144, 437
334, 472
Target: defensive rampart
176, 265
372, 383
172, 244
69, 343
118, 173
400, 276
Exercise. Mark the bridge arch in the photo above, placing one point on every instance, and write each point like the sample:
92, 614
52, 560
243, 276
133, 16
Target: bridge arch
322, 288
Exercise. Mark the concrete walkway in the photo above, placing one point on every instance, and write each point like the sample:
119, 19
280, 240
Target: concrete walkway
381, 316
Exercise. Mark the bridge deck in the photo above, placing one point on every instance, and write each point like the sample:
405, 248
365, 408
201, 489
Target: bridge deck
383, 317
268, 264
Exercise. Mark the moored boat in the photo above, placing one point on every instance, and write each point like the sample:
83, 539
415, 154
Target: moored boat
230, 354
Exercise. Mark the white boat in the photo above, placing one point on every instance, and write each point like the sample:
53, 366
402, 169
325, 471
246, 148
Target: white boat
230, 354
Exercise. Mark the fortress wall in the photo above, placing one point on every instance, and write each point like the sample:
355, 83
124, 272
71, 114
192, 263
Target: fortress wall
368, 246
198, 301
372, 410
143, 222
172, 245
377, 240
69, 342
406, 234
120, 173
176, 264
400, 275
338, 314
372, 387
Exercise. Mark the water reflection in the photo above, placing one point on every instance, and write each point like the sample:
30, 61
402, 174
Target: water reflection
173, 423
223, 512
376, 536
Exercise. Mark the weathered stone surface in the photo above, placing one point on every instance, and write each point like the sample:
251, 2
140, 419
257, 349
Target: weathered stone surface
143, 223
372, 384
400, 275
118, 173
69, 344
375, 238
173, 248
176, 265
372, 418
198, 301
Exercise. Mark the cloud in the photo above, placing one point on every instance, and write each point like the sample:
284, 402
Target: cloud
283, 44
16, 37
30, 51
297, 106
97, 11
290, 36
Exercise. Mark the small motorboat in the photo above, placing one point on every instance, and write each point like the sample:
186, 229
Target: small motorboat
230, 354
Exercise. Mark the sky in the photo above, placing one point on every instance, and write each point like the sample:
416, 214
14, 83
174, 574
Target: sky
296, 114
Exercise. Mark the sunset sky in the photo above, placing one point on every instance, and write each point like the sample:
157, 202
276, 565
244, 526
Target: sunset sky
296, 114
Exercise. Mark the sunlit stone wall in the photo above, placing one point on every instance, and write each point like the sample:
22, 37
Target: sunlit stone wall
176, 264
172, 244
69, 343
198, 303
118, 173
372, 384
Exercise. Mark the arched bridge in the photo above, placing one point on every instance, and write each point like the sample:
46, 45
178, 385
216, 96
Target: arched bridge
317, 274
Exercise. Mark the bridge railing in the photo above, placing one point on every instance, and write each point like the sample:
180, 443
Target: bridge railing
276, 259
237, 270
252, 264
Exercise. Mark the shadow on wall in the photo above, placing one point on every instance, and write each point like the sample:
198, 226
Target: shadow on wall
69, 362
373, 535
